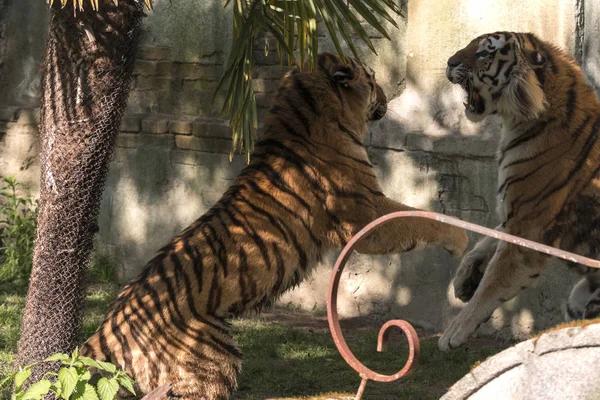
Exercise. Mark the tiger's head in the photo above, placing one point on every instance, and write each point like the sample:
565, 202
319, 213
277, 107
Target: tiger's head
502, 73
354, 83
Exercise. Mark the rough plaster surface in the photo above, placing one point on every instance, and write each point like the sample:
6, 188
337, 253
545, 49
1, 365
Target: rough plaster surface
171, 162
23, 47
197, 31
590, 42
559, 365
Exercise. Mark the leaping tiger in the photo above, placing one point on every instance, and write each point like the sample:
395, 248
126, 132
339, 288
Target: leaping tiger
309, 188
548, 171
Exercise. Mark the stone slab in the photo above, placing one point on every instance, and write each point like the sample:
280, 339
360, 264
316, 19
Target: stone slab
558, 365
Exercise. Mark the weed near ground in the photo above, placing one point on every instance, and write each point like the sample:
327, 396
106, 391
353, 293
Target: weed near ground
292, 355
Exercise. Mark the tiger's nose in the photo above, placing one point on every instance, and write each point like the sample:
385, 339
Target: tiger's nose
453, 62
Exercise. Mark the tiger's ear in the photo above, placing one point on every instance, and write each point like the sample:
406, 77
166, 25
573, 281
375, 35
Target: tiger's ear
332, 66
343, 75
537, 59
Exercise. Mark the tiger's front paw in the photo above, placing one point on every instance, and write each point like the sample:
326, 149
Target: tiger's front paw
459, 331
456, 241
468, 276
465, 286
452, 340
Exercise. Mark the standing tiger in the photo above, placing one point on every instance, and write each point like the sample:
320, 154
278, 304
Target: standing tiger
548, 171
309, 187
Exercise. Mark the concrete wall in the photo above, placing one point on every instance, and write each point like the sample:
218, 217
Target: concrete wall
21, 50
590, 43
171, 161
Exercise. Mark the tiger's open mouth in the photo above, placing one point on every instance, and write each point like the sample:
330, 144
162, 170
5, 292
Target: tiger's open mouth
378, 112
474, 103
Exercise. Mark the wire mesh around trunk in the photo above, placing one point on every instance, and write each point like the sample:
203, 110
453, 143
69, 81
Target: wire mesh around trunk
85, 84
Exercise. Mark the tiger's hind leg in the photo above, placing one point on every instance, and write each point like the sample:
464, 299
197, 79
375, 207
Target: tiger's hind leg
584, 299
206, 380
578, 299
592, 308
210, 372
472, 267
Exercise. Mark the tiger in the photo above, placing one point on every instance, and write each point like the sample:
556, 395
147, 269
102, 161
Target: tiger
548, 160
308, 189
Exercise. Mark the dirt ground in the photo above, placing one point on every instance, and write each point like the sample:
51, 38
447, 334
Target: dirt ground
353, 326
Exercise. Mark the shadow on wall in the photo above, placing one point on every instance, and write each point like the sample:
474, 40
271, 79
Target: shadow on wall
23, 45
196, 31
153, 192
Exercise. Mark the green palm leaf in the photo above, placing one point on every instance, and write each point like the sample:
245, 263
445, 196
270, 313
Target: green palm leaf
78, 4
290, 22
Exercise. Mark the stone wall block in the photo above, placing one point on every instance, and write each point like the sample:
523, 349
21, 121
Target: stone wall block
199, 103
145, 82
166, 69
270, 72
153, 53
261, 85
131, 123
143, 67
8, 114
194, 71
164, 142
142, 102
209, 145
155, 125
180, 127
197, 85
165, 84
127, 140
211, 128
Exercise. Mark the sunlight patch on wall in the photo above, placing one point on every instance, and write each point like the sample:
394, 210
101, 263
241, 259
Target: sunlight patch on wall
403, 296
408, 182
133, 218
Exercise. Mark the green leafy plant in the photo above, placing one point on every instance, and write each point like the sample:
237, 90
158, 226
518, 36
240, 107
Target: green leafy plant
293, 25
103, 269
18, 221
73, 381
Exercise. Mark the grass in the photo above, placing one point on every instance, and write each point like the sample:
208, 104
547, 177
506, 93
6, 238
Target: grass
289, 361
292, 355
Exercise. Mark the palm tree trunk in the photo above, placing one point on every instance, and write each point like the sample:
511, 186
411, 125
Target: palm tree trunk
85, 84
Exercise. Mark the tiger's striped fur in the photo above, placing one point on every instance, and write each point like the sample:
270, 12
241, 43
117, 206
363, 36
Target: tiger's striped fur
548, 171
309, 187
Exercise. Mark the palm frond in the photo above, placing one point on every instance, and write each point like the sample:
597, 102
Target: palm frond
95, 4
290, 22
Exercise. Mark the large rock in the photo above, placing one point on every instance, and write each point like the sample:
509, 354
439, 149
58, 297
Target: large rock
558, 365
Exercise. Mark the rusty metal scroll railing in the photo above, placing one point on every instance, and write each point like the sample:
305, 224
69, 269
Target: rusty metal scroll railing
367, 374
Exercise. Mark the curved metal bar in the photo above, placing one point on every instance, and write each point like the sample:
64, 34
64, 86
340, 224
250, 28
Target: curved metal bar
411, 335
